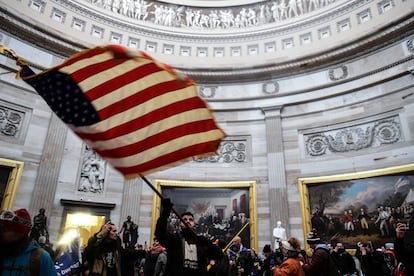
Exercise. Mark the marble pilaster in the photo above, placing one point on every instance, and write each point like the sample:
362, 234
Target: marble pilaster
49, 167
278, 203
131, 199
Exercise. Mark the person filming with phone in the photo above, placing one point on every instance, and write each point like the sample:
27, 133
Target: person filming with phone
104, 255
404, 246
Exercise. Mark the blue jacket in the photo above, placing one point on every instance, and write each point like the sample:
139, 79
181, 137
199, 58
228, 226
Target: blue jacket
47, 267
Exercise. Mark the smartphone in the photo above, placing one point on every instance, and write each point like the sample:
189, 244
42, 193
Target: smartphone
370, 245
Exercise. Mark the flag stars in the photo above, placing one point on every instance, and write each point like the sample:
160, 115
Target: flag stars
65, 98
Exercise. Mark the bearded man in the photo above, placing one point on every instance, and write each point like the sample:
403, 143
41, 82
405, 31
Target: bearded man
104, 255
188, 253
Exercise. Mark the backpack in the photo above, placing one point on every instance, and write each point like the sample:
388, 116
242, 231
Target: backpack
399, 270
389, 259
33, 268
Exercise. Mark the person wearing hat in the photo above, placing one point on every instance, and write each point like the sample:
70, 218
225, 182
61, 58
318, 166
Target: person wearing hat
291, 266
18, 256
320, 257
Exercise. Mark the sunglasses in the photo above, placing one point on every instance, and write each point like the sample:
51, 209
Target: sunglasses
11, 216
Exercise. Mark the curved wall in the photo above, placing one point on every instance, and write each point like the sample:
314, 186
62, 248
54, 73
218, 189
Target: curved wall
330, 32
280, 119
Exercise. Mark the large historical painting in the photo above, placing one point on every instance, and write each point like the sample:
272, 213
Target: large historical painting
357, 207
221, 210
10, 174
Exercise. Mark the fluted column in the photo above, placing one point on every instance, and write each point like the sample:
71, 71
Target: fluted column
49, 166
131, 199
278, 202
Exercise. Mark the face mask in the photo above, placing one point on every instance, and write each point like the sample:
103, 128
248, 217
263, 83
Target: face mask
341, 250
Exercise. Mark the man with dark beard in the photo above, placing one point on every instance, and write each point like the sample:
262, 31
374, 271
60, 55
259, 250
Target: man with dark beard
103, 254
188, 253
18, 256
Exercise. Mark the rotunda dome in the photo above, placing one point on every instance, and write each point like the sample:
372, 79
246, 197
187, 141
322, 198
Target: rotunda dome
218, 40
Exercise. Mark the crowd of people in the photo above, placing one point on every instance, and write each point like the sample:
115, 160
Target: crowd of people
382, 220
183, 252
193, 254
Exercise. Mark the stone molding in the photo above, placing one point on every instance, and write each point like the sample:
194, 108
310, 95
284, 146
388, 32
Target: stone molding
14, 122
232, 150
62, 47
354, 137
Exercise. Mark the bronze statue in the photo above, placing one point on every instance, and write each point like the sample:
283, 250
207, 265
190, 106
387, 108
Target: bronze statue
129, 232
39, 226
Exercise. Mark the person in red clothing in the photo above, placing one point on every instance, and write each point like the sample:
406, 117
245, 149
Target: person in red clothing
319, 263
291, 266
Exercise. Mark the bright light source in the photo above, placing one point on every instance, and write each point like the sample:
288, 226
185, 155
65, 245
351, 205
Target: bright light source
81, 219
68, 237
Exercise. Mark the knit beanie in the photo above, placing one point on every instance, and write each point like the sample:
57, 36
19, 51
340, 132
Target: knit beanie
17, 221
313, 238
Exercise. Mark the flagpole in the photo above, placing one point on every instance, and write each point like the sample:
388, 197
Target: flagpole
172, 208
6, 51
119, 50
238, 233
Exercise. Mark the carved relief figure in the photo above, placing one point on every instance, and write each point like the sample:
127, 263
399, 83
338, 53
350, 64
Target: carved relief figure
92, 174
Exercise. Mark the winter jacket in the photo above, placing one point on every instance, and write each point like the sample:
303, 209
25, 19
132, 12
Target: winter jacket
319, 262
47, 267
95, 257
289, 267
174, 243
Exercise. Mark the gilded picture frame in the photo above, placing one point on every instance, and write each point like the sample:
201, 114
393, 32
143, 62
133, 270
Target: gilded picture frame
10, 175
221, 210
335, 205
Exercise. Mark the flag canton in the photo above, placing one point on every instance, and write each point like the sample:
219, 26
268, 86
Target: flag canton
65, 98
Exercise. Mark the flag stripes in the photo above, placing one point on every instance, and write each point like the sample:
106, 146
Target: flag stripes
158, 139
139, 115
162, 160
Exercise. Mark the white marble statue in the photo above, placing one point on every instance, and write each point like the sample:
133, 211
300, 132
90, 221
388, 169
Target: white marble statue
279, 233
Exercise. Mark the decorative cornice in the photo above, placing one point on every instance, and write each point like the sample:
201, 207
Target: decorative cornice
196, 35
354, 137
341, 54
34, 34
77, 203
60, 46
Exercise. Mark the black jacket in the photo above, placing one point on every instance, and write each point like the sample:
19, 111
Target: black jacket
174, 243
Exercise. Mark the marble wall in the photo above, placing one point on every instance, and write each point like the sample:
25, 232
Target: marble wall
280, 132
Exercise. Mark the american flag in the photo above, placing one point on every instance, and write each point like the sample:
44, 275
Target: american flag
137, 114
402, 184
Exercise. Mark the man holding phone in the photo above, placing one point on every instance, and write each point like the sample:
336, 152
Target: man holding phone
105, 256
102, 254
